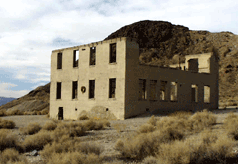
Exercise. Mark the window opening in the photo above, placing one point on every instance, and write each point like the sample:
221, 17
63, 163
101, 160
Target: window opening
174, 91
194, 93
112, 88
75, 90
193, 65
113, 56
207, 94
76, 58
59, 61
92, 60
142, 89
163, 90
60, 113
58, 94
91, 89
153, 93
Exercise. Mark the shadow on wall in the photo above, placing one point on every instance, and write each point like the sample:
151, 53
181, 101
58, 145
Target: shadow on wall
97, 113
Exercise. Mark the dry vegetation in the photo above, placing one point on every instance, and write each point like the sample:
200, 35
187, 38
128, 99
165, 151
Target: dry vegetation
180, 138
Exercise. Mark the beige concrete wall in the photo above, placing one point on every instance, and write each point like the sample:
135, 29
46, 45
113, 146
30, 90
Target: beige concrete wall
184, 80
101, 73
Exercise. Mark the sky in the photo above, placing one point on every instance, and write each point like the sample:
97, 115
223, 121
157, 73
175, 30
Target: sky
31, 29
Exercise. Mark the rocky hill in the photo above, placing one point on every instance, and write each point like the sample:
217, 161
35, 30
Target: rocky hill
160, 43
35, 100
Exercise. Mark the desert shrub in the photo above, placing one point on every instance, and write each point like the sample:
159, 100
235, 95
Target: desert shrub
152, 120
96, 125
32, 128
196, 150
202, 120
71, 129
83, 117
7, 124
44, 112
146, 144
37, 141
7, 139
74, 157
11, 156
14, 112
146, 128
3, 112
231, 125
89, 148
50, 125
150, 160
181, 114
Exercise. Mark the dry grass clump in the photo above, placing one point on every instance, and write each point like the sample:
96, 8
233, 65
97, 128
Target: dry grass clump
146, 128
73, 158
7, 139
202, 120
68, 147
231, 125
152, 120
146, 144
50, 125
32, 128
7, 124
181, 114
14, 112
186, 122
11, 156
196, 150
96, 125
71, 129
37, 141
83, 117
3, 112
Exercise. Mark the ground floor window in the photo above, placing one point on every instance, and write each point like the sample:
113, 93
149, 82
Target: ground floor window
153, 92
112, 88
207, 94
194, 94
91, 89
173, 91
163, 90
142, 89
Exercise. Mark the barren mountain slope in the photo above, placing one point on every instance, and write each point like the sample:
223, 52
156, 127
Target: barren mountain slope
160, 41
36, 100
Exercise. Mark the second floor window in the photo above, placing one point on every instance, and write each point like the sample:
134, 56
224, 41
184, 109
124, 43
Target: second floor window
59, 61
113, 55
92, 60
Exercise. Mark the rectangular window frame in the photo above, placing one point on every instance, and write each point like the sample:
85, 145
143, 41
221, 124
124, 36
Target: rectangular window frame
91, 90
173, 91
112, 88
58, 90
75, 58
59, 60
194, 93
113, 53
207, 96
153, 90
163, 90
75, 90
142, 89
92, 56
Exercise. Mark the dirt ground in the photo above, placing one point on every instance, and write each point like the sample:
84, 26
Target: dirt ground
108, 137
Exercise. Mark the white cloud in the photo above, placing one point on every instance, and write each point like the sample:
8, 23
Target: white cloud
32, 29
6, 90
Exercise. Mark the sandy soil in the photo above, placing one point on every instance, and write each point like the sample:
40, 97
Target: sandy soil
108, 137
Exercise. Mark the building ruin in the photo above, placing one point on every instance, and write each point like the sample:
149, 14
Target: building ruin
108, 74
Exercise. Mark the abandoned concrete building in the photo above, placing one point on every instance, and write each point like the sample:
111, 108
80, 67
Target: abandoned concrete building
108, 74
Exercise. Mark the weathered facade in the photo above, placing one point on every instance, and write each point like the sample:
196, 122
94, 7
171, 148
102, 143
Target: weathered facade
108, 74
